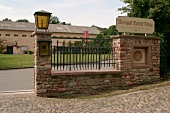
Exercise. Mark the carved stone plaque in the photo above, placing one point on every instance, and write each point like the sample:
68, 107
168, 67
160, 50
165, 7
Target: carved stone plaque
139, 56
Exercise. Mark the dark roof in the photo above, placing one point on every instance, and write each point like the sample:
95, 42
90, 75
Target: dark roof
9, 25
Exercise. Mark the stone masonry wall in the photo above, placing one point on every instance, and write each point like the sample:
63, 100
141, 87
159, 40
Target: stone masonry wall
65, 84
79, 83
50, 83
124, 59
42, 67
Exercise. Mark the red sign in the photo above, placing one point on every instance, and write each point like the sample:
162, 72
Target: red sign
86, 35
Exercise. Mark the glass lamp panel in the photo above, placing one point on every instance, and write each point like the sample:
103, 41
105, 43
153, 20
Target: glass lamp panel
43, 22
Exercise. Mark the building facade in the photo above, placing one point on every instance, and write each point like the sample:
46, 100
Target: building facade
18, 35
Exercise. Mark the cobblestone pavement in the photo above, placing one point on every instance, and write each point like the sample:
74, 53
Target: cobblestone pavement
154, 101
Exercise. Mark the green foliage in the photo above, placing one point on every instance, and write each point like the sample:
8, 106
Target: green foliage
103, 43
163, 59
64, 23
105, 34
54, 20
22, 20
99, 41
107, 31
28, 52
159, 11
112, 30
6, 19
31, 52
2, 46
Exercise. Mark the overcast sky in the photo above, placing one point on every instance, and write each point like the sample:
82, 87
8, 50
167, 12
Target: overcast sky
102, 13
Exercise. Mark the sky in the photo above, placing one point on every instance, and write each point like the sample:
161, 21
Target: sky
102, 13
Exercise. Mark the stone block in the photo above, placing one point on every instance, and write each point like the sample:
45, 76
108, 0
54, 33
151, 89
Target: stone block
61, 89
108, 76
48, 86
95, 87
72, 84
106, 81
40, 91
47, 66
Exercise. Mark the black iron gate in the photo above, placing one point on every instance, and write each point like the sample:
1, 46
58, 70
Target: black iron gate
82, 54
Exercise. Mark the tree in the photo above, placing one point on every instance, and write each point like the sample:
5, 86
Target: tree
112, 30
159, 11
64, 23
22, 20
54, 20
107, 31
2, 46
6, 19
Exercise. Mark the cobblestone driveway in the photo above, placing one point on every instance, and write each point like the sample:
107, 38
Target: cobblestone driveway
155, 101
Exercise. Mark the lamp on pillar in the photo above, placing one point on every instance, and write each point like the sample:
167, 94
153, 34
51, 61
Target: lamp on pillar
42, 19
42, 52
43, 36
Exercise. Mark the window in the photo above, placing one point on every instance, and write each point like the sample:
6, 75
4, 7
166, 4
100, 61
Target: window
0, 34
15, 35
24, 48
7, 34
24, 35
31, 35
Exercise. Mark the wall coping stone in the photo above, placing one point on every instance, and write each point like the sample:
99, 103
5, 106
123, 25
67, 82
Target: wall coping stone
85, 72
135, 36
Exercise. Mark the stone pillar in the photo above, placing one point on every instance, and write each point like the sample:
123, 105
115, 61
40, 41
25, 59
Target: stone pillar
139, 59
42, 62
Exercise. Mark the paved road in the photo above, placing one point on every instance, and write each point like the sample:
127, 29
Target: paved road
151, 101
16, 79
20, 79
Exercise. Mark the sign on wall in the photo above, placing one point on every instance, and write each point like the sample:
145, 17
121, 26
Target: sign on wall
135, 25
44, 48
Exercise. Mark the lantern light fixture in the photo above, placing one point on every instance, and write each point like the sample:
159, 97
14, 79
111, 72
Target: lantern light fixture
42, 19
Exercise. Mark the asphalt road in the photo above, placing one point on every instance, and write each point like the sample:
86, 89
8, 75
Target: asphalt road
23, 79
16, 80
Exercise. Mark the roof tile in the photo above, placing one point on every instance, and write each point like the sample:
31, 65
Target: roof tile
9, 25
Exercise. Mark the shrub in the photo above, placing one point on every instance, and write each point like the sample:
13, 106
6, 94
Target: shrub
163, 57
28, 52
2, 47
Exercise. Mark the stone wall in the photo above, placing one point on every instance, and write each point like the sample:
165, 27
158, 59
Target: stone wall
71, 84
137, 62
135, 74
42, 64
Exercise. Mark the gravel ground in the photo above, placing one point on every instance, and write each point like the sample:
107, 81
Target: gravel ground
150, 101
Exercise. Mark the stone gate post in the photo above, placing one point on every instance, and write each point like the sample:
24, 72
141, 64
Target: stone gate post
42, 62
139, 59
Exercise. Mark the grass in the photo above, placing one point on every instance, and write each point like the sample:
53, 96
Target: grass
16, 61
